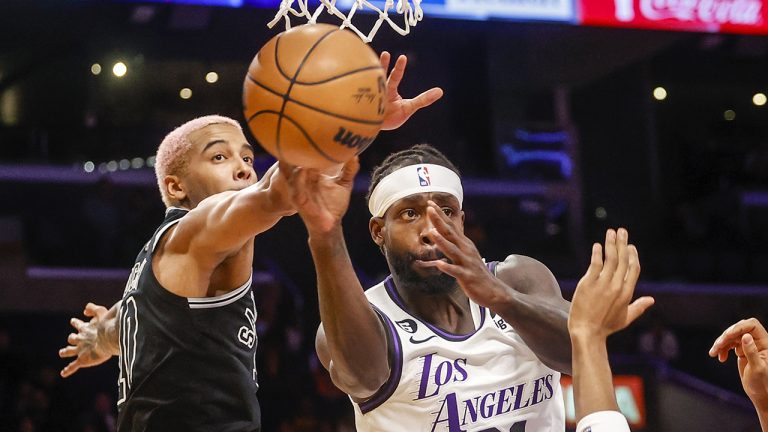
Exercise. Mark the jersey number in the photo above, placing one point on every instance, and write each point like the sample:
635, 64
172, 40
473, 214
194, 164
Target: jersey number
517, 427
129, 327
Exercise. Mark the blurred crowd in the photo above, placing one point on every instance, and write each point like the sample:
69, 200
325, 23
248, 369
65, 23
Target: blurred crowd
295, 392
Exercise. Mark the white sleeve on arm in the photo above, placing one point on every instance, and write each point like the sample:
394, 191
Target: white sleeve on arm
603, 421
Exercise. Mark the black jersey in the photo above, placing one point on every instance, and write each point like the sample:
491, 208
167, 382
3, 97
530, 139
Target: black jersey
186, 364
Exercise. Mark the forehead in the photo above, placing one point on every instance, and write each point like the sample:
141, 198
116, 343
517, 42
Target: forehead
214, 132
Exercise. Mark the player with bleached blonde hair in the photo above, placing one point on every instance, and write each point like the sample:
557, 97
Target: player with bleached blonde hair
185, 329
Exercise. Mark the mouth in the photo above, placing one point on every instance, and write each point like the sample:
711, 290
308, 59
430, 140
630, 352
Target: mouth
432, 255
427, 260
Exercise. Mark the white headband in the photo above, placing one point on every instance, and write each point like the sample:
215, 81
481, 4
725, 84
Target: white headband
411, 180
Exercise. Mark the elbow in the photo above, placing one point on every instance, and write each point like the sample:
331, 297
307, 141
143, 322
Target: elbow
561, 359
562, 365
564, 361
361, 385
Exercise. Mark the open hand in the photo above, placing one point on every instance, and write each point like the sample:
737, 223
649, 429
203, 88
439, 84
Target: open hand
88, 344
466, 264
399, 110
601, 304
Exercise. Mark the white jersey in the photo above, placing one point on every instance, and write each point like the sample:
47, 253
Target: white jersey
488, 380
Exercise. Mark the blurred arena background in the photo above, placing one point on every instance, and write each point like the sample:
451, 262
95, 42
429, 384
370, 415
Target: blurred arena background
563, 120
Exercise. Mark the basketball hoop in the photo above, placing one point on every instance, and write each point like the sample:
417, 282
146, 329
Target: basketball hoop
411, 13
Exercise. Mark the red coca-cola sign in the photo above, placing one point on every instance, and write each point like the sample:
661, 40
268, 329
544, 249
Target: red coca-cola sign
727, 16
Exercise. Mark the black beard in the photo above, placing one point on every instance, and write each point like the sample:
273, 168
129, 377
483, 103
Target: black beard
402, 267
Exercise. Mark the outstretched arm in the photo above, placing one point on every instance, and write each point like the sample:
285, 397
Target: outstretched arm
223, 223
525, 293
351, 342
601, 307
95, 342
749, 340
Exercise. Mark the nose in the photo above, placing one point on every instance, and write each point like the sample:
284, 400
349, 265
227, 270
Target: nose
425, 227
243, 171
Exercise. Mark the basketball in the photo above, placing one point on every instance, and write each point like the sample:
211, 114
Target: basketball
315, 96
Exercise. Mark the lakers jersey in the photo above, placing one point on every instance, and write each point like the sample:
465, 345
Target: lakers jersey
488, 380
186, 364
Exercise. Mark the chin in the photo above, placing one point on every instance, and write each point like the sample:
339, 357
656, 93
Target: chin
430, 281
425, 271
438, 284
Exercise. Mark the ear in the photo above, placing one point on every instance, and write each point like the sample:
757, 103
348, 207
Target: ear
376, 226
175, 188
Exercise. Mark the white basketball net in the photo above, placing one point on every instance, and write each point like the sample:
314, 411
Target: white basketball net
411, 13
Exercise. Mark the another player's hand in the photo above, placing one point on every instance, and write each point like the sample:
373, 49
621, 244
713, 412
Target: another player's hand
749, 340
601, 304
88, 344
320, 199
466, 264
399, 110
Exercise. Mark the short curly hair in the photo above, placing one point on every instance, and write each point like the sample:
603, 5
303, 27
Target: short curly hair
171, 158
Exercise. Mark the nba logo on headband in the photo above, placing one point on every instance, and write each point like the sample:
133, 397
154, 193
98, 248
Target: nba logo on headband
402, 183
423, 175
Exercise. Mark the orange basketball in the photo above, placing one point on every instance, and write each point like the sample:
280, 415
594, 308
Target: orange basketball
315, 96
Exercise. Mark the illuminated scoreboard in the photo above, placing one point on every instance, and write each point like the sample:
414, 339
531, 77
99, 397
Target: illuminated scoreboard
520, 10
227, 3
630, 395
714, 16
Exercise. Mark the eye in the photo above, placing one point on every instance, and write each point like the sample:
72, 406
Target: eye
248, 160
219, 157
408, 214
448, 211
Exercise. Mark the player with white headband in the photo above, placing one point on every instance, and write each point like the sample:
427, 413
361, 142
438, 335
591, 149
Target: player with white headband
411, 180
448, 342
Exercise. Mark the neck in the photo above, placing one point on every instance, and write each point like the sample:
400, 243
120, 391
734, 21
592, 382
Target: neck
186, 203
448, 311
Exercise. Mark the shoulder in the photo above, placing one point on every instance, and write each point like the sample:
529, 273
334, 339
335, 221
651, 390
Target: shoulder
528, 276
